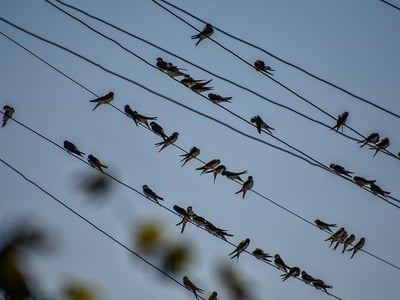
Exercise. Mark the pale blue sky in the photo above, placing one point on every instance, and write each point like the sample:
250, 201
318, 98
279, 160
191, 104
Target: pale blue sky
354, 44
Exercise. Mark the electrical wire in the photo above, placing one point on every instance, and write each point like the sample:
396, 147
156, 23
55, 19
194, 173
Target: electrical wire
362, 99
390, 4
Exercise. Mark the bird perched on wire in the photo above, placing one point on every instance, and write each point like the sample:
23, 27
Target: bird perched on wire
218, 232
71, 148
280, 264
240, 248
340, 239
206, 33
372, 138
138, 118
261, 254
321, 285
169, 68
261, 124
293, 272
323, 225
217, 170
247, 185
213, 296
158, 130
185, 214
188, 81
149, 194
383, 144
357, 247
94, 162
106, 99
340, 170
262, 67
192, 287
361, 181
209, 165
376, 190
8, 113
193, 153
307, 278
340, 121
350, 239
201, 87
234, 175
333, 238
217, 99
168, 141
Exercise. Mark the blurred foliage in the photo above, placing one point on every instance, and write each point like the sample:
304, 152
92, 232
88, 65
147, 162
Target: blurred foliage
176, 258
236, 286
79, 291
149, 237
97, 187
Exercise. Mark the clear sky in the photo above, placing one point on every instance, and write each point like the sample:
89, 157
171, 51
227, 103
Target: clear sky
354, 44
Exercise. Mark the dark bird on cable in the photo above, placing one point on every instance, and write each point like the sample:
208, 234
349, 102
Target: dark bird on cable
185, 214
168, 141
321, 285
217, 99
106, 99
373, 138
335, 236
340, 121
323, 225
307, 278
361, 181
8, 113
209, 166
234, 175
247, 185
138, 118
261, 124
340, 170
357, 247
262, 67
189, 81
213, 296
350, 239
376, 190
94, 162
169, 68
193, 153
71, 148
217, 170
149, 194
261, 254
280, 264
206, 33
293, 272
383, 144
158, 130
192, 287
240, 248
201, 87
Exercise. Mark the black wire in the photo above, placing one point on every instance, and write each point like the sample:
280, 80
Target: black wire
390, 4
289, 63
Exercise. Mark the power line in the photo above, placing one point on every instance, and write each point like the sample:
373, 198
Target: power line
390, 4
362, 99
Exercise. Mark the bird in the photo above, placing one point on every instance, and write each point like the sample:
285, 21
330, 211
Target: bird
372, 138
261, 67
217, 170
350, 239
158, 130
340, 170
382, 144
340, 239
186, 216
201, 87
361, 181
247, 185
207, 31
95, 163
217, 99
213, 296
218, 232
71, 148
234, 175
106, 99
8, 113
193, 153
307, 278
340, 121
169, 68
261, 124
293, 272
321, 285
209, 165
335, 235
168, 141
189, 81
357, 246
136, 117
261, 254
280, 264
376, 190
240, 248
192, 287
149, 194
324, 226
199, 220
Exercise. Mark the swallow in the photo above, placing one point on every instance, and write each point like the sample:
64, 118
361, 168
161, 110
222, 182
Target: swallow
261, 124
169, 68
324, 226
234, 175
373, 138
293, 272
381, 145
280, 264
340, 121
138, 118
168, 141
261, 67
213, 296
240, 248
321, 285
186, 215
71, 148
189, 81
158, 130
350, 239
192, 287
8, 113
247, 185
206, 33
217, 99
376, 190
361, 181
149, 194
200, 221
94, 162
307, 278
209, 166
333, 238
261, 255
217, 170
193, 153
357, 246
218, 232
106, 99
340, 170
201, 87
340, 239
